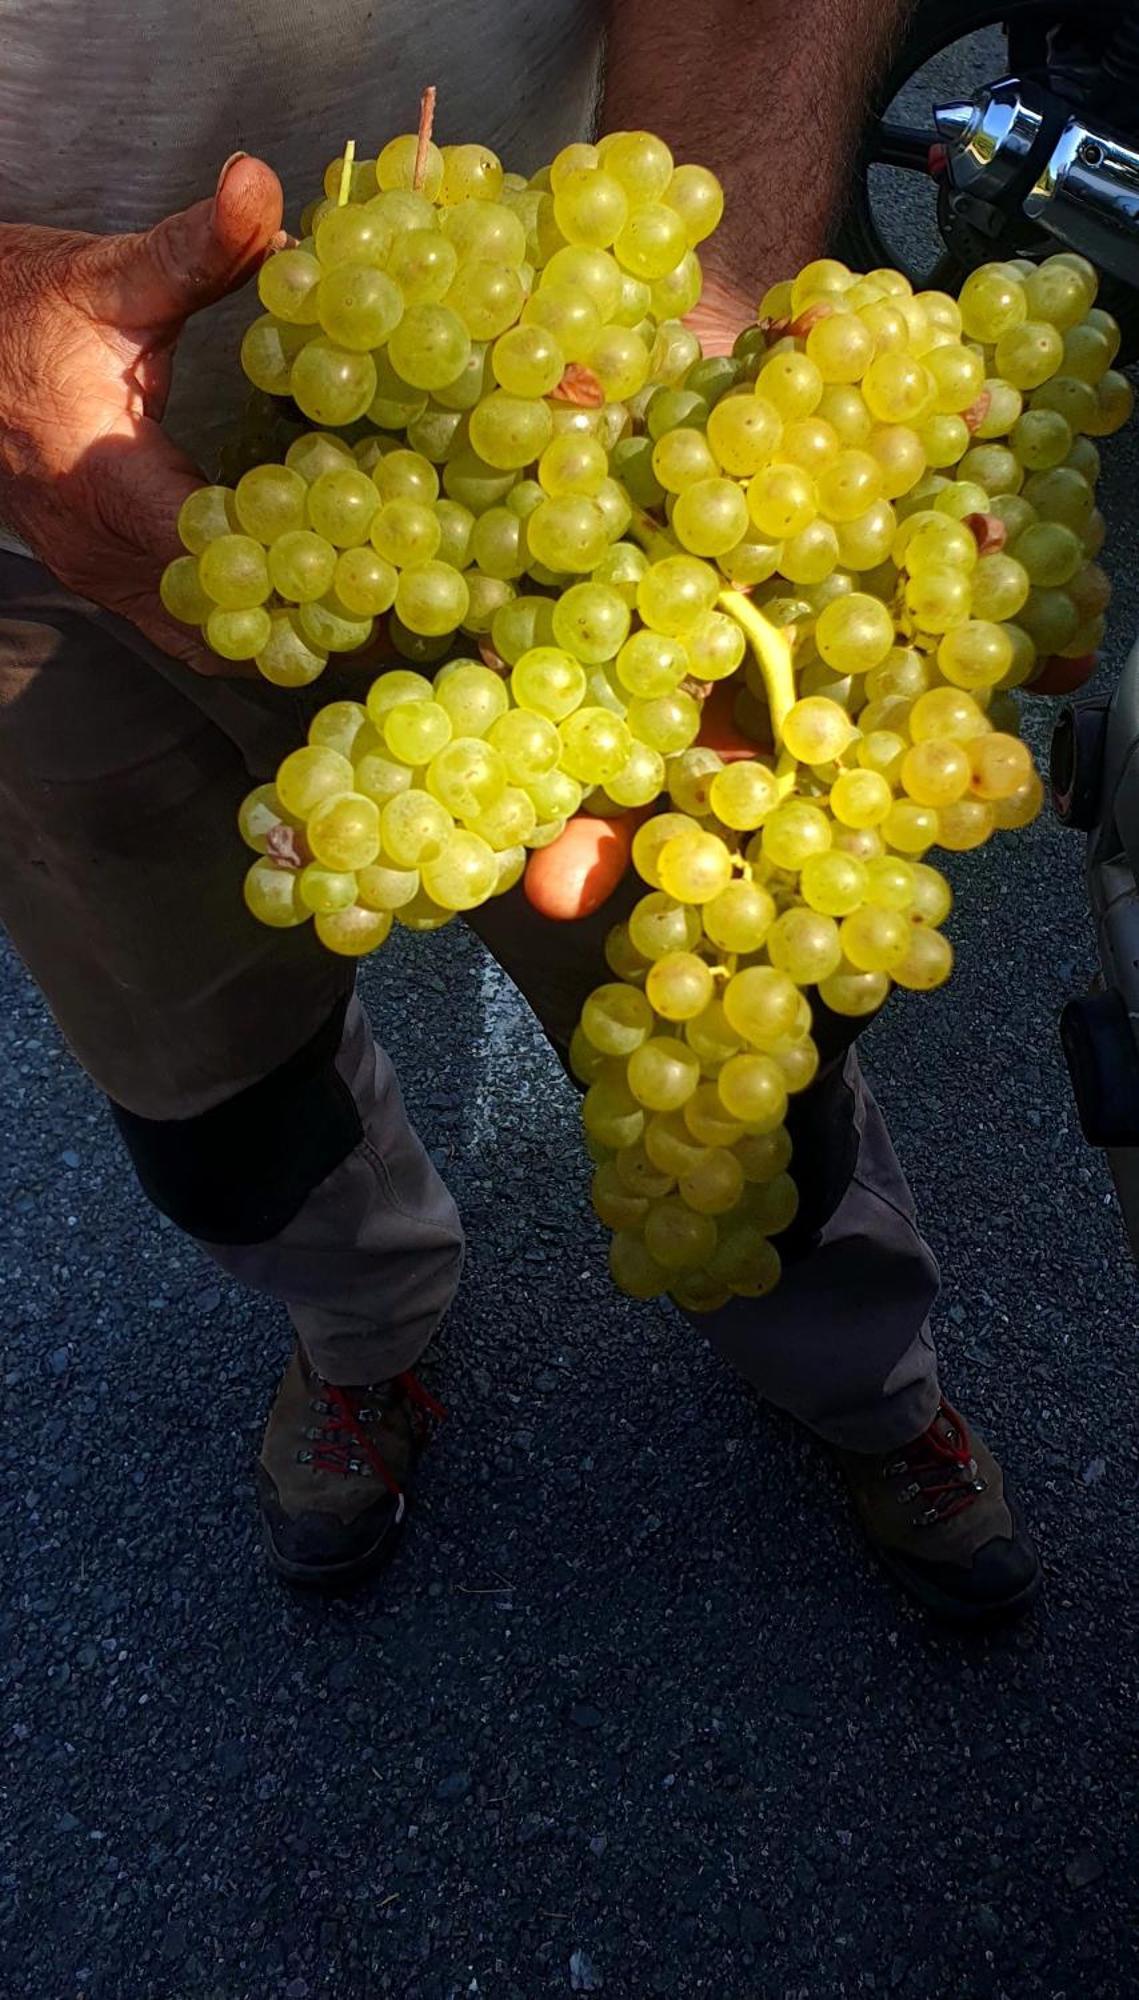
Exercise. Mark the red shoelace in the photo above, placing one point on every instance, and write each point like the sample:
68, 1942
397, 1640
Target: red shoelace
936, 1461
343, 1436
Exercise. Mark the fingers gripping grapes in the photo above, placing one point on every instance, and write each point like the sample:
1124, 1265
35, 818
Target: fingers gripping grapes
88, 327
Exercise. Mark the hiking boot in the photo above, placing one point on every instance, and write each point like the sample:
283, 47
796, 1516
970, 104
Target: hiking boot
939, 1514
333, 1473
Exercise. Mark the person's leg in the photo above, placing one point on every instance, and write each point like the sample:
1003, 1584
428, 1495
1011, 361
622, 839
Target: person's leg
843, 1342
265, 1122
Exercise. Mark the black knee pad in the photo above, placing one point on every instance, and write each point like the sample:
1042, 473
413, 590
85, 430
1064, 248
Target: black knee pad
241, 1171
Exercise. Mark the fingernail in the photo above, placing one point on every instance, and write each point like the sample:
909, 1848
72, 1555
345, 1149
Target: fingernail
230, 163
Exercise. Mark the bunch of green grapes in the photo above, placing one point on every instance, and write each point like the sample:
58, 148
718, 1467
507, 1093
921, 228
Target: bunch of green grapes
418, 803
468, 343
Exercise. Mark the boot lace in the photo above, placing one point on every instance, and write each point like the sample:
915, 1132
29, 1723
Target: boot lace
341, 1442
941, 1467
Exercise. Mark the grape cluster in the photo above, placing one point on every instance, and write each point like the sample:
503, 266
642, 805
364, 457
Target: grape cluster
468, 347
776, 602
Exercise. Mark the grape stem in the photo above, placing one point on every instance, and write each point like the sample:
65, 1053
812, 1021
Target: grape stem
773, 655
347, 165
426, 122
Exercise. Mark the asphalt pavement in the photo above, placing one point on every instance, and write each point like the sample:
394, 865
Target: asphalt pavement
634, 1713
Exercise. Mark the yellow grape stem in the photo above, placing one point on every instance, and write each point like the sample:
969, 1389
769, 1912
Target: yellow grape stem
773, 654
346, 173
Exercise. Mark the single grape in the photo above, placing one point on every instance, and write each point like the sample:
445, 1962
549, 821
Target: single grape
269, 501
330, 384
272, 895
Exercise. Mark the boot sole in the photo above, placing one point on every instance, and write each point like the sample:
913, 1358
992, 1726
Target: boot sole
337, 1577
956, 1610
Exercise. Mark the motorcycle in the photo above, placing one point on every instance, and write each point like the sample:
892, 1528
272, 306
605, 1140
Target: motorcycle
1040, 155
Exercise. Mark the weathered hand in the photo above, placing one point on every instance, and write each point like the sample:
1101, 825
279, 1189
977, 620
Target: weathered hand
88, 326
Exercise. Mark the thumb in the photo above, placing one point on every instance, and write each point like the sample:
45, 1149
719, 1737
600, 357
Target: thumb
153, 281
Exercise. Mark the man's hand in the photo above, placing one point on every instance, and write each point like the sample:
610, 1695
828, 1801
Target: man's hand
88, 326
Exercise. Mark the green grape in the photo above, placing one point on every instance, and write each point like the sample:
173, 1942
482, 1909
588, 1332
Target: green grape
353, 235
590, 207
509, 823
650, 838
651, 242
468, 777
898, 389
711, 515
351, 933
681, 458
473, 697
473, 484
740, 917
992, 302
309, 776
964, 825
743, 431
795, 830
927, 964
328, 626
804, 944
809, 442
977, 654
764, 1155
432, 599
633, 1270
619, 359
650, 664
239, 635
676, 594
403, 159
470, 173
658, 924
938, 600
415, 731
833, 884
853, 993
487, 297
272, 895
640, 779
269, 501
422, 263
259, 815
485, 231
287, 284
331, 385
365, 583
662, 1073
841, 347
1041, 438
233, 572
1000, 586
182, 594
573, 463
932, 898
616, 1019
934, 773
944, 439
708, 1122
568, 534
848, 485
874, 939
761, 1004
854, 633
595, 745
498, 543
206, 513
690, 778
615, 508
1049, 553
715, 647
591, 621
816, 730
286, 658
865, 543
1001, 766
694, 867
358, 306
344, 831
671, 409
415, 828
463, 875
791, 383
715, 1186
642, 164
861, 798
549, 681
342, 506
668, 723
752, 1089
528, 743
405, 532
1026, 355
341, 725
782, 500
430, 347
269, 350
613, 1203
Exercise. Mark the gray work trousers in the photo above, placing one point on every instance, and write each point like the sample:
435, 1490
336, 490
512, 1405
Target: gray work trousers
120, 775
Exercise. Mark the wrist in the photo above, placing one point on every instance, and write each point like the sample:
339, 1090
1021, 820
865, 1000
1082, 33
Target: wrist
726, 306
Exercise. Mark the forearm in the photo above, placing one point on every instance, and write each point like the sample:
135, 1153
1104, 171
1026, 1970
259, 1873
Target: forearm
769, 94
